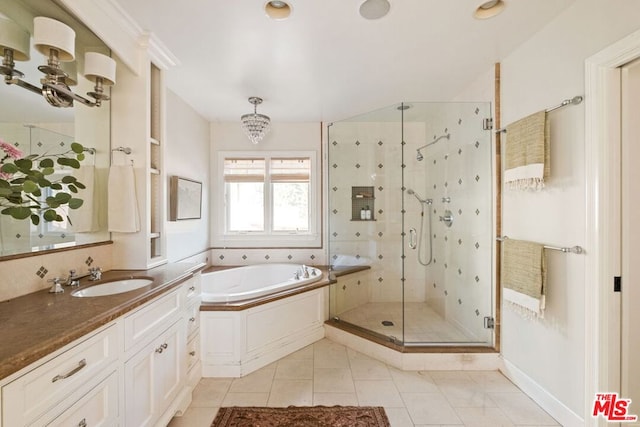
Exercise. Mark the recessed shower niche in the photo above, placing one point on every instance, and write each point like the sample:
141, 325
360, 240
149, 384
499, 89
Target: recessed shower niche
414, 167
363, 204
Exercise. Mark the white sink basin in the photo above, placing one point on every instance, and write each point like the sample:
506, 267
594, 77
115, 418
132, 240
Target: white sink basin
113, 287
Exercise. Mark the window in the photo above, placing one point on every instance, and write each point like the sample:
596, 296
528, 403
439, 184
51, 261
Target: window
269, 199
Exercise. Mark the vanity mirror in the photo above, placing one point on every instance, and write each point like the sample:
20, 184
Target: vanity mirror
34, 126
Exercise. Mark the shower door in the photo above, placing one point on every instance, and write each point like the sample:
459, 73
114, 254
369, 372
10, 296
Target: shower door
420, 220
448, 224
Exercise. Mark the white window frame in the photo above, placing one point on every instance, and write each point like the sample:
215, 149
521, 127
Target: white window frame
255, 239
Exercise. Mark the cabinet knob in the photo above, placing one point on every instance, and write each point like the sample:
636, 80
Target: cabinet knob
162, 348
192, 288
83, 423
192, 353
192, 319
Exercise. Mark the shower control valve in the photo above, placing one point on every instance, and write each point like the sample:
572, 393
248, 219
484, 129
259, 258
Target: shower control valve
447, 218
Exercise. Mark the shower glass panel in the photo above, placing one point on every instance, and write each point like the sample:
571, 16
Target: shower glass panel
411, 197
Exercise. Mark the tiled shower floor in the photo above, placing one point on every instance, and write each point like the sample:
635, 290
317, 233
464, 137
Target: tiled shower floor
422, 323
327, 373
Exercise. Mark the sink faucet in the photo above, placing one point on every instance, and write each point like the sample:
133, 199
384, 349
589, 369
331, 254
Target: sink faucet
305, 272
95, 273
56, 288
73, 279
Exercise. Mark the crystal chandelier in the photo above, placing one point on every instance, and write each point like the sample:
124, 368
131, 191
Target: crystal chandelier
255, 125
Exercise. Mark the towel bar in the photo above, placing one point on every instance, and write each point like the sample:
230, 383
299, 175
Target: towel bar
574, 249
572, 101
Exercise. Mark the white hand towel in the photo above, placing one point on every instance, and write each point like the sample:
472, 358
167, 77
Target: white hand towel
85, 218
123, 204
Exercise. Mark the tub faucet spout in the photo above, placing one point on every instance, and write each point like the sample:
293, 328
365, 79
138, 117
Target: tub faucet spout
305, 272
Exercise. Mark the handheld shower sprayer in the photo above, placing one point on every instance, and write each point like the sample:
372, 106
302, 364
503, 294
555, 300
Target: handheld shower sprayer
417, 196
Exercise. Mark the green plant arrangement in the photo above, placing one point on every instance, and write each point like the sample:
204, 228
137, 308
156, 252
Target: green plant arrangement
24, 179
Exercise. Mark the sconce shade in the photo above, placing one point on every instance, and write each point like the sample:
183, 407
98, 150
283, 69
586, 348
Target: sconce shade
99, 65
15, 38
51, 34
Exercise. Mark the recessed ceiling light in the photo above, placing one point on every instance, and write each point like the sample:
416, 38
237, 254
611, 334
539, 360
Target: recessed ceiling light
374, 9
277, 9
489, 9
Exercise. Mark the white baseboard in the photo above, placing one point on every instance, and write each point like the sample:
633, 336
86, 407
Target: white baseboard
558, 410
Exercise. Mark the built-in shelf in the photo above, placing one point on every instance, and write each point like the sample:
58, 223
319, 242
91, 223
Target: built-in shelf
154, 141
154, 171
154, 235
362, 198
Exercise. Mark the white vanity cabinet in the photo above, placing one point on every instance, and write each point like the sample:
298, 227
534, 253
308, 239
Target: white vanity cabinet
138, 370
153, 377
159, 371
53, 389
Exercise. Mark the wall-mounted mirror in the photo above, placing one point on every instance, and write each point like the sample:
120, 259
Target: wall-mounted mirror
28, 122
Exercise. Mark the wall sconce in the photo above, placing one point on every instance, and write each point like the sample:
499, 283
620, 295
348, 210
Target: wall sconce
56, 41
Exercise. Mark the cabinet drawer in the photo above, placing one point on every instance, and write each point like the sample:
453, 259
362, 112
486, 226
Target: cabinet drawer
148, 321
193, 289
193, 319
29, 396
98, 407
193, 352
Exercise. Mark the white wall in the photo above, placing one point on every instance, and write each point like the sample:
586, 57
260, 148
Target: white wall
547, 356
187, 156
228, 136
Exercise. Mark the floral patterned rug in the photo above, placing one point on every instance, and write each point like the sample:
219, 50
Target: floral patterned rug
302, 416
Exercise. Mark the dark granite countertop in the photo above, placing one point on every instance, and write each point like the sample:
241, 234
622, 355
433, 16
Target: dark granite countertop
37, 324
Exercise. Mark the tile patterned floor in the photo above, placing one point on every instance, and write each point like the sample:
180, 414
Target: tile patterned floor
423, 323
327, 373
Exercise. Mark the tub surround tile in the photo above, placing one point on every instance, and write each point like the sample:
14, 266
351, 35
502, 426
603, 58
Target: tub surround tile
40, 323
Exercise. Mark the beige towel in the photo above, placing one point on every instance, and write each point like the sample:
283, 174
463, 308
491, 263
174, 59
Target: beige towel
524, 274
85, 218
527, 152
123, 204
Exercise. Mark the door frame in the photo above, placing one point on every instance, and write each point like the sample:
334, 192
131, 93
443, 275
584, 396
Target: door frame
602, 131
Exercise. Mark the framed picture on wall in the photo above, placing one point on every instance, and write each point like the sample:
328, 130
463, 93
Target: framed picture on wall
185, 199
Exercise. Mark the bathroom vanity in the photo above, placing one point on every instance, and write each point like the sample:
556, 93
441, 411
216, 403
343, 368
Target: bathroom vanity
129, 359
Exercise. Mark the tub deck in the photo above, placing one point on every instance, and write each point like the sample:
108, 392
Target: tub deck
328, 278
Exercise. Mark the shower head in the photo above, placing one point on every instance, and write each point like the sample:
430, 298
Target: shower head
419, 155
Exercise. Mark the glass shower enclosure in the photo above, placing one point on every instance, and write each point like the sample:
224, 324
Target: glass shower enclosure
411, 198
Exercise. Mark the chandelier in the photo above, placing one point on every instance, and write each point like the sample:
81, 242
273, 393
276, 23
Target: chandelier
255, 125
56, 41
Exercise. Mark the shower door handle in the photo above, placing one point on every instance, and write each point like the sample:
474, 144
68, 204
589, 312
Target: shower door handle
412, 238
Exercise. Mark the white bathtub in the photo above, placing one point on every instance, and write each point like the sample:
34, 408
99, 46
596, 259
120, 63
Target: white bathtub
235, 342
253, 281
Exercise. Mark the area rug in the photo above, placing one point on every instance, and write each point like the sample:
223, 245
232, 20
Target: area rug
302, 416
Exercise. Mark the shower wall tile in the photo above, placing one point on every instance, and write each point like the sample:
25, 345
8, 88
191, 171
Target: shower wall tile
458, 282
